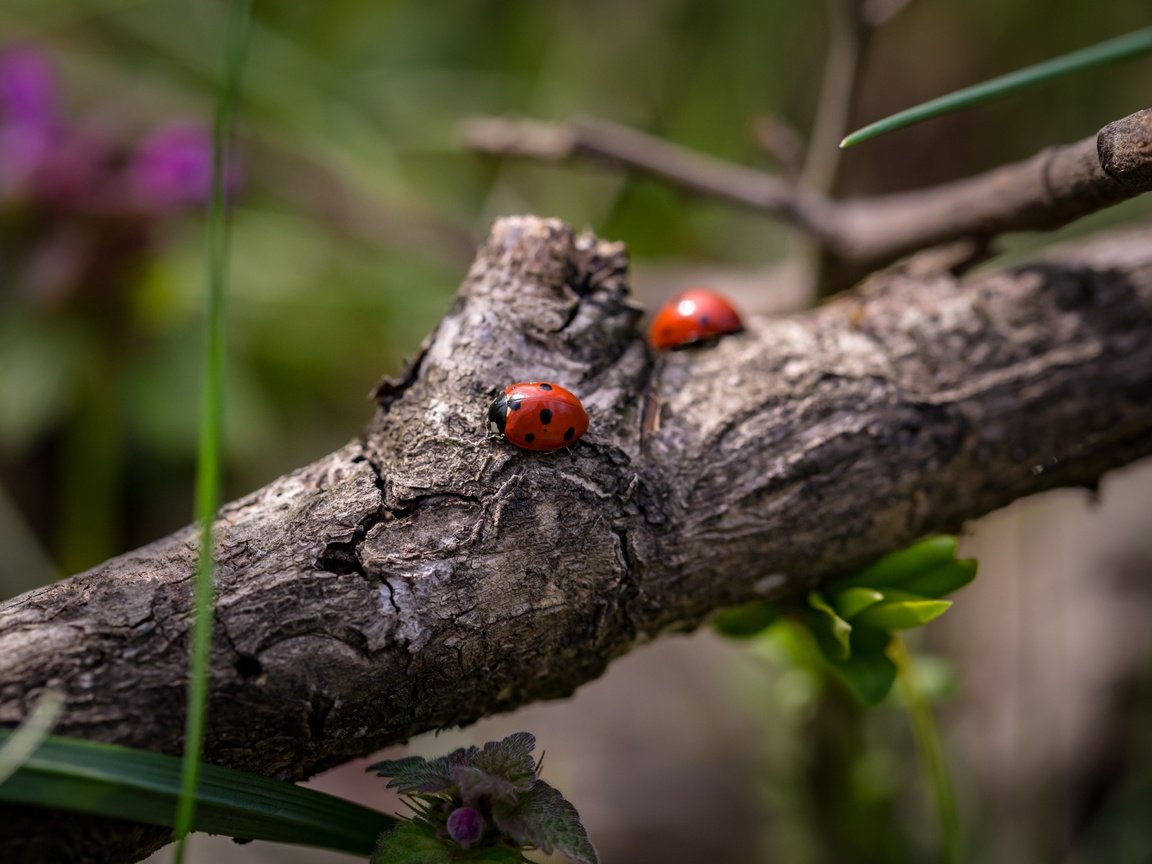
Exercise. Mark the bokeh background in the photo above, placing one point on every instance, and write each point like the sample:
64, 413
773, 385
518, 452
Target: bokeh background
357, 211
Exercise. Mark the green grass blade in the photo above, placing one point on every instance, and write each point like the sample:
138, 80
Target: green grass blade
211, 415
124, 783
24, 741
1121, 48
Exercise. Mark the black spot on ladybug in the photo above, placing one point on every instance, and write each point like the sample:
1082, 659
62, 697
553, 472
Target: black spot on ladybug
570, 433
545, 416
514, 402
529, 437
705, 320
665, 331
545, 386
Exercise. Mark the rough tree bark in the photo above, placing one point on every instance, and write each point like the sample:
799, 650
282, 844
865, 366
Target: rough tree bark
427, 574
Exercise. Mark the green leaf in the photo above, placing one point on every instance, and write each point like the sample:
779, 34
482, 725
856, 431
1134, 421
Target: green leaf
124, 783
498, 855
833, 633
850, 602
543, 818
510, 760
942, 580
412, 843
899, 567
415, 775
868, 672
870, 676
902, 614
747, 619
1121, 48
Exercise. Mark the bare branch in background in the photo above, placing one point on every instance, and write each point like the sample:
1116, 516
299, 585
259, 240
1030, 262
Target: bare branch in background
857, 236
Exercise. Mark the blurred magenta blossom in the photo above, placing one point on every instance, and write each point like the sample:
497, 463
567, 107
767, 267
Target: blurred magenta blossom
47, 161
173, 167
27, 89
29, 120
89, 209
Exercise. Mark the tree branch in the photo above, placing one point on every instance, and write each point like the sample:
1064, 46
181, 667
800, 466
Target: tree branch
428, 575
857, 236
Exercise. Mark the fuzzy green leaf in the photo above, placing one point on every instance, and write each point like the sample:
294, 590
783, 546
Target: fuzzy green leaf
412, 842
850, 602
1130, 45
902, 614
415, 775
543, 818
747, 619
474, 784
833, 634
897, 568
497, 855
510, 759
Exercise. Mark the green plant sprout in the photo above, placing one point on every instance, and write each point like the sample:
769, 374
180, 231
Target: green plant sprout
479, 805
852, 620
855, 622
1121, 48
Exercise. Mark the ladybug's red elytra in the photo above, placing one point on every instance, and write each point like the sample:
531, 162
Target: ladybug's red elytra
537, 415
692, 317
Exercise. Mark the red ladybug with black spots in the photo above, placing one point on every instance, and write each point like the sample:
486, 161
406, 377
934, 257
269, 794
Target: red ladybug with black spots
537, 415
693, 317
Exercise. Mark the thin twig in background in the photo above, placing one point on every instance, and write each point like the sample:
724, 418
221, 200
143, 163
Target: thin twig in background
848, 38
1047, 191
849, 32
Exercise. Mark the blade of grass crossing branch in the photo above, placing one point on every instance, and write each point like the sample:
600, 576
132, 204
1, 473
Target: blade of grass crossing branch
1121, 48
125, 783
239, 18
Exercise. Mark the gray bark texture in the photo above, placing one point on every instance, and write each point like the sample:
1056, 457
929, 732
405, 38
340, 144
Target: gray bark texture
428, 574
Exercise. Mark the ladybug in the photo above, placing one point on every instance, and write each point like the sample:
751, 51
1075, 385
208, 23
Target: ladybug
538, 416
691, 318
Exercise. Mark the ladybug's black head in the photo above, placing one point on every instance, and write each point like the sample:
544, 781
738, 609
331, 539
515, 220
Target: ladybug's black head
498, 413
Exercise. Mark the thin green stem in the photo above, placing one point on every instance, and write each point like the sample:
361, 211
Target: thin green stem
211, 419
1121, 48
931, 752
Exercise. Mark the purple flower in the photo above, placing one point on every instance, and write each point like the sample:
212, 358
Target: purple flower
29, 119
173, 167
27, 89
466, 825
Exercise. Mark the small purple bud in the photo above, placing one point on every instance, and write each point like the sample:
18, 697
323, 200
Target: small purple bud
27, 89
466, 825
173, 167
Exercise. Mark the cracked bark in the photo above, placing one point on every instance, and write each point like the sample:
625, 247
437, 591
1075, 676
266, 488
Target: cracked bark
427, 575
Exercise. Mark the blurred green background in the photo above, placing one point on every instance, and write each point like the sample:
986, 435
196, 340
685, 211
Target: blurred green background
359, 212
